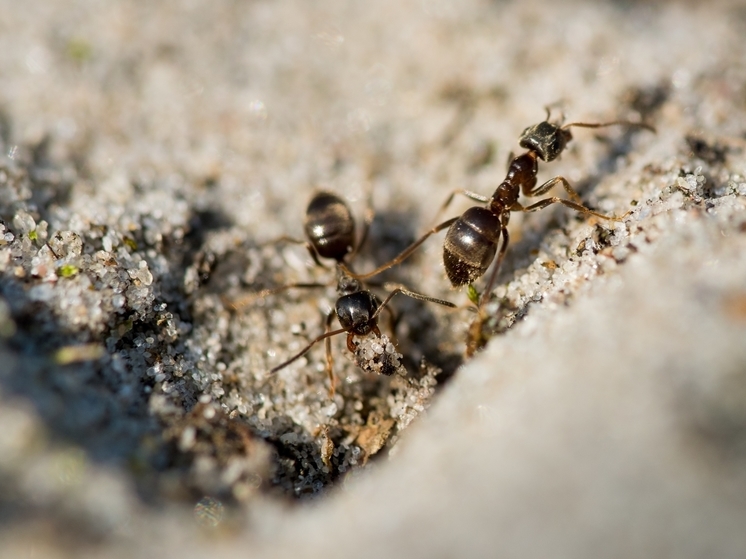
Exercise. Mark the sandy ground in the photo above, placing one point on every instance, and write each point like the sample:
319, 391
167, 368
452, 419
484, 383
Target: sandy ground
153, 156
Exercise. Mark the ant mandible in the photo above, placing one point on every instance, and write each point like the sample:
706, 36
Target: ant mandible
471, 242
330, 230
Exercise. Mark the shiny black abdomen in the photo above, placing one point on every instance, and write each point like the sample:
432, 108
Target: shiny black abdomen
330, 226
470, 245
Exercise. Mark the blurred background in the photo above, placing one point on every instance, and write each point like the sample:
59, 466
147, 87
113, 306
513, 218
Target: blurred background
153, 153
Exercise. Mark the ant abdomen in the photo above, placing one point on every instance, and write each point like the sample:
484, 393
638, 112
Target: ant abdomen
470, 245
330, 226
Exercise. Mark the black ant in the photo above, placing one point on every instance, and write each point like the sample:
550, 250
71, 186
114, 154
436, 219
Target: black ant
471, 242
330, 229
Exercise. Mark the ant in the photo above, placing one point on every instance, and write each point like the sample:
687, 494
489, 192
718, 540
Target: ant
471, 243
330, 230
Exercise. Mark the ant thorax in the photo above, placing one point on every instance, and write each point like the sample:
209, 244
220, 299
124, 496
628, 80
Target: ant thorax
346, 284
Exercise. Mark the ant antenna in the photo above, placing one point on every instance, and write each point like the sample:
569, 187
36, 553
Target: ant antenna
610, 123
306, 349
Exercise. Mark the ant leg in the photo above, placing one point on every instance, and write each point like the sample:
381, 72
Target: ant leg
245, 301
315, 256
398, 288
403, 255
548, 109
468, 193
284, 239
392, 320
306, 349
370, 214
577, 207
495, 268
511, 156
329, 359
294, 241
475, 338
407, 252
351, 342
547, 186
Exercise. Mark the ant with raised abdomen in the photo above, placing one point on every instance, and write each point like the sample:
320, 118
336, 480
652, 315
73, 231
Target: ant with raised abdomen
471, 243
330, 230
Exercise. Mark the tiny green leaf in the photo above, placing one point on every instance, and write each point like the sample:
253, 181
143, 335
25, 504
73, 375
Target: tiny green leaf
68, 270
472, 294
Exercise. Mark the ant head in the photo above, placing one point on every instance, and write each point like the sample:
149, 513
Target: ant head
546, 139
355, 312
329, 226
